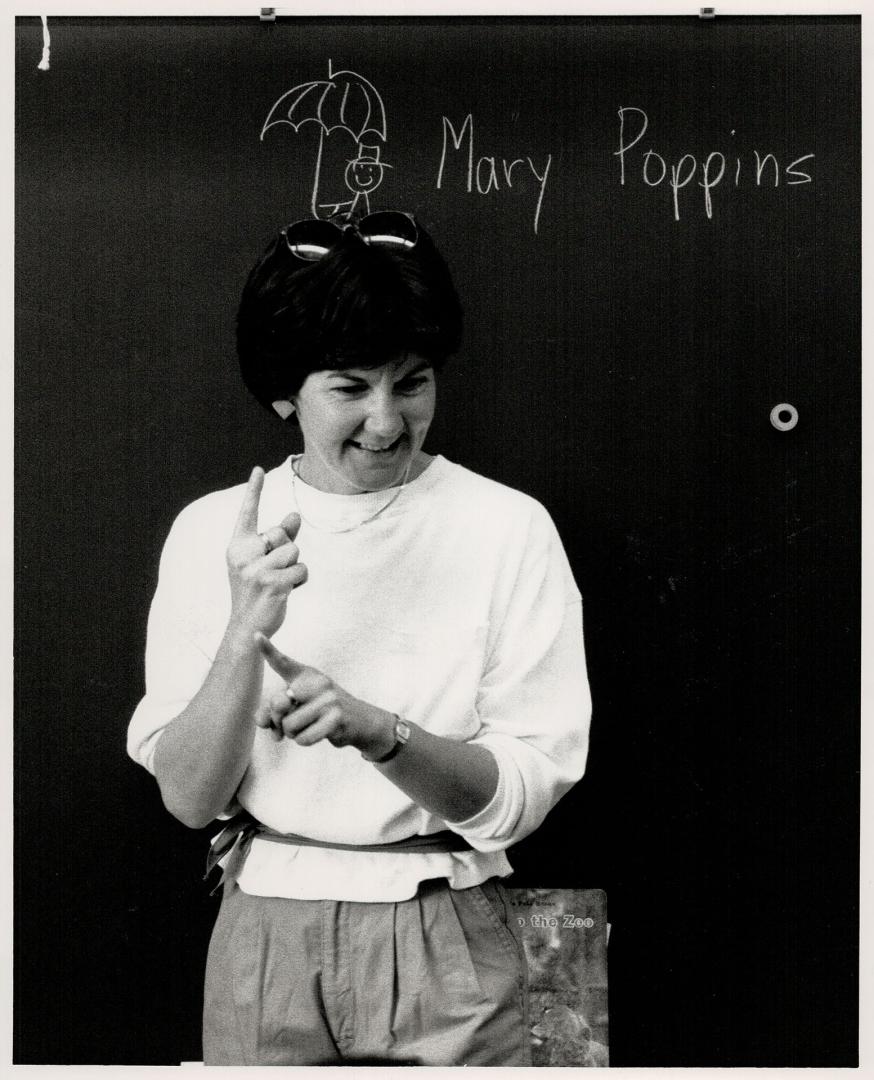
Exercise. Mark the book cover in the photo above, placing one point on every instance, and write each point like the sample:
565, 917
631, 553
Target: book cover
564, 933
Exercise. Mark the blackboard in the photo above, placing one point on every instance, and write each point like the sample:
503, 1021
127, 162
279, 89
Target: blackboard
631, 323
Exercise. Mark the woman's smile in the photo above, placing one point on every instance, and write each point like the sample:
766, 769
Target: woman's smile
381, 458
360, 444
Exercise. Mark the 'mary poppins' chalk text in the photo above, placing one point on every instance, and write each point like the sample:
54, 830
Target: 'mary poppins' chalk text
487, 174
653, 169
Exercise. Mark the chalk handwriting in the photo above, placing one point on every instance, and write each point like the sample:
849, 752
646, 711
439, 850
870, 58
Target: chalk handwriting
651, 167
487, 175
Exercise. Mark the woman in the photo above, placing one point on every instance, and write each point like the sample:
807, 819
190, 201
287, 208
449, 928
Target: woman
377, 656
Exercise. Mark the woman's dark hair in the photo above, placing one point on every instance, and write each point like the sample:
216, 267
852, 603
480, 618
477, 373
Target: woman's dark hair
358, 306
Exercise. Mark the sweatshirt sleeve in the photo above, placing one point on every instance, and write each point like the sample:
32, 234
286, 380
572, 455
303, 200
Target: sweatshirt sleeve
179, 652
533, 704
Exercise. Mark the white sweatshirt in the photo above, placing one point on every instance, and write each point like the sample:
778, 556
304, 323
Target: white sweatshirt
455, 609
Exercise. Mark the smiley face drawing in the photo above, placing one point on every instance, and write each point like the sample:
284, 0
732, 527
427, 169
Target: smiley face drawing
363, 175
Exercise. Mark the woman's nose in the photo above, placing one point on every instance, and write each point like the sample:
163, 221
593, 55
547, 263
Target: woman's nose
384, 416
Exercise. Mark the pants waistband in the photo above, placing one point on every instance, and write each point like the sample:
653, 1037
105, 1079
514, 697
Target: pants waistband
236, 837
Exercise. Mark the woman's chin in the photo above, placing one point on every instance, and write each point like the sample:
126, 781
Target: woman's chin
357, 469
374, 469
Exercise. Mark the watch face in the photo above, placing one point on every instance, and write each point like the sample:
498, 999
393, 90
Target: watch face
402, 731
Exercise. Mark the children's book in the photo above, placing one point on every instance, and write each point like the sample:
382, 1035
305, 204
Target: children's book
564, 932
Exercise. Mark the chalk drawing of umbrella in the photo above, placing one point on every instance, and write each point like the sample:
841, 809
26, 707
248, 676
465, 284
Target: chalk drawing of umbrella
345, 101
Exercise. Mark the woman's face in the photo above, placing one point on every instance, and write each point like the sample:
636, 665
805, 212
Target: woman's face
363, 428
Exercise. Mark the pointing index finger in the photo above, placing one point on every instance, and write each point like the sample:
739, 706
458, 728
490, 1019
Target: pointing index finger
283, 665
247, 521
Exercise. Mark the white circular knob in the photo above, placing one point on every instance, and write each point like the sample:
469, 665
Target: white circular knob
784, 417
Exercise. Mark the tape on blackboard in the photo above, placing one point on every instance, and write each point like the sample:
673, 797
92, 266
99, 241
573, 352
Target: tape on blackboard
43, 65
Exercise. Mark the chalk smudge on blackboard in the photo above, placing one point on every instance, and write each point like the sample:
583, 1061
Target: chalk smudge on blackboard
652, 168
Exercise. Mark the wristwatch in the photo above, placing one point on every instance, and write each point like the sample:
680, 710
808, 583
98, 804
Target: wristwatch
402, 737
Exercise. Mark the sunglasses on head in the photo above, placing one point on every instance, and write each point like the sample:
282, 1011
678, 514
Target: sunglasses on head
312, 238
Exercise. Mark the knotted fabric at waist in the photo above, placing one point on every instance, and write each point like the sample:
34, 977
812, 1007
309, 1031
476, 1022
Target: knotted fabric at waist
236, 837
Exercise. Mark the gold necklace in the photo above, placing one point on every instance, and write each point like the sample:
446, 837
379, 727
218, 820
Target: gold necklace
295, 475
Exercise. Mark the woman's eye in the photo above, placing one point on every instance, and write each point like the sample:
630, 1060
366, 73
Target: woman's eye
348, 391
410, 386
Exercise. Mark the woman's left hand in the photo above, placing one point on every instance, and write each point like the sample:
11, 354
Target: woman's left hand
313, 707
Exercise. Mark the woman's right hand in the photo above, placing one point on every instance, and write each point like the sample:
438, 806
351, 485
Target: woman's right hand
261, 581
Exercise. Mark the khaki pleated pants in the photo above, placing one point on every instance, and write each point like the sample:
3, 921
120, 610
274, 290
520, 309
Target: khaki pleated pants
439, 979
